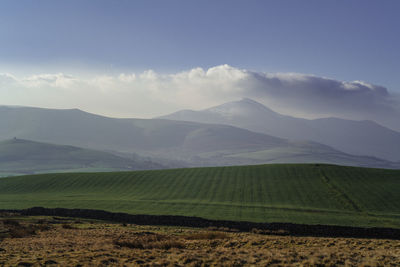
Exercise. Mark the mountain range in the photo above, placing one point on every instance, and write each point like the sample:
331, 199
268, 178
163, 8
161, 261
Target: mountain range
354, 137
171, 143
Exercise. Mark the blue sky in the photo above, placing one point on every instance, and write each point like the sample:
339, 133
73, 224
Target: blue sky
345, 39
310, 59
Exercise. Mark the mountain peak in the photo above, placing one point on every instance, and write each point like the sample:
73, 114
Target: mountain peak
241, 107
249, 101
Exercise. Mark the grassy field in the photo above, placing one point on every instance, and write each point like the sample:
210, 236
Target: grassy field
308, 193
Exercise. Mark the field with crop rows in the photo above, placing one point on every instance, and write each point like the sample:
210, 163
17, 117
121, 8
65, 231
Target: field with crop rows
298, 193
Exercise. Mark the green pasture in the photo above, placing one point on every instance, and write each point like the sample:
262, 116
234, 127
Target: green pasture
298, 193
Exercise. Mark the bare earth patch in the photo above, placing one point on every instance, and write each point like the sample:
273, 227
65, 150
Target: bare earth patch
72, 243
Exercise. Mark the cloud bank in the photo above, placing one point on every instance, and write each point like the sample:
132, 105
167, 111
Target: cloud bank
150, 94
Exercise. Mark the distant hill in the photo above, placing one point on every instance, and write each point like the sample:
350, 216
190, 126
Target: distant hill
18, 156
311, 193
75, 127
189, 143
353, 137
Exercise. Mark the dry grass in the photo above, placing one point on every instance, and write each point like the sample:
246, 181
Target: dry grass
150, 240
16, 229
10, 222
206, 236
67, 226
101, 244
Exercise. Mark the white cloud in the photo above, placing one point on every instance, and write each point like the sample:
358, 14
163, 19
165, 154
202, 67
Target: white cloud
149, 75
128, 78
58, 80
7, 79
150, 94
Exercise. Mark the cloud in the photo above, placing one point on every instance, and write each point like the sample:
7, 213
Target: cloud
149, 93
318, 96
59, 80
7, 79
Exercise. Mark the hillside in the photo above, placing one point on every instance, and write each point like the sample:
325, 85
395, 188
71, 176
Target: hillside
353, 137
310, 194
19, 156
180, 142
310, 152
75, 127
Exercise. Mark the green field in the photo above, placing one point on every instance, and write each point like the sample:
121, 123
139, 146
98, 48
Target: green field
299, 193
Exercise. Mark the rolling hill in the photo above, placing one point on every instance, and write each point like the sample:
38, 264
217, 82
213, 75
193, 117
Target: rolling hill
75, 127
191, 143
353, 137
19, 156
310, 193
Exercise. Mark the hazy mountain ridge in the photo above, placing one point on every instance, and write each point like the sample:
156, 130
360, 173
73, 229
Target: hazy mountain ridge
353, 137
19, 156
180, 142
75, 127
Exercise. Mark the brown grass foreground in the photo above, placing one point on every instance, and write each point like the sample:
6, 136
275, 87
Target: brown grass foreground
59, 242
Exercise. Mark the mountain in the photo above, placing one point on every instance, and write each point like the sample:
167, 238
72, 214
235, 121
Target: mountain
75, 127
188, 143
353, 137
19, 156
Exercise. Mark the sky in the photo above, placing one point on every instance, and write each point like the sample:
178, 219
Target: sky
135, 58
